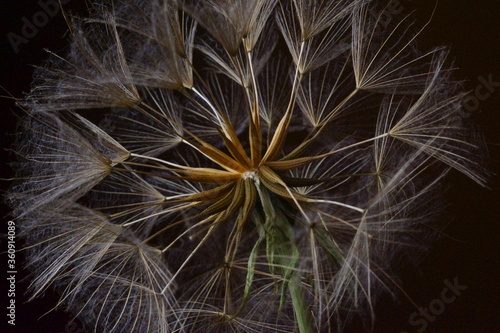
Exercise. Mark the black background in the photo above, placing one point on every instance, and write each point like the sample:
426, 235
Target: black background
470, 252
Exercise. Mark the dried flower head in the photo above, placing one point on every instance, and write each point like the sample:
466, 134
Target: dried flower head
256, 165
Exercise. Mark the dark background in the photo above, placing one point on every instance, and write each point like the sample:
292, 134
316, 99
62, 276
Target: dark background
469, 252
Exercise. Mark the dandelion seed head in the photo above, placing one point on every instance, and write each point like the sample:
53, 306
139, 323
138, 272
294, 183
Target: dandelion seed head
256, 167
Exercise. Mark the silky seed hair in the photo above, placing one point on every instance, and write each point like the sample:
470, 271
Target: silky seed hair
235, 165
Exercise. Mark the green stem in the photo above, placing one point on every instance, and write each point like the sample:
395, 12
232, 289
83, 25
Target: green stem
283, 245
300, 305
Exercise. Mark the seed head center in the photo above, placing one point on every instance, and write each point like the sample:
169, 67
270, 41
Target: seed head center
249, 174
